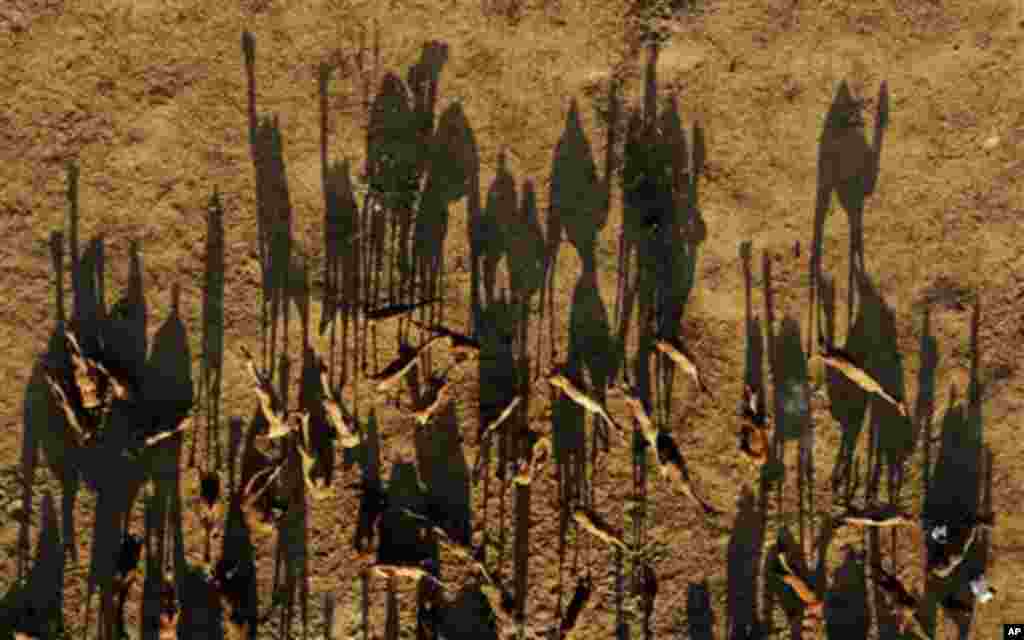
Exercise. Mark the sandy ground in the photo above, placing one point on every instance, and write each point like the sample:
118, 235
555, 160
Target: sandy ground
879, 139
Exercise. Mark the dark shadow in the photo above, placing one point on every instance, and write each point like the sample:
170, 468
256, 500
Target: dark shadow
776, 476
700, 615
488, 231
169, 390
577, 194
35, 606
575, 187
321, 434
45, 429
292, 549
753, 375
273, 214
212, 359
956, 488
893, 433
422, 80
342, 250
848, 403
525, 249
975, 565
847, 167
372, 498
124, 347
169, 399
124, 333
662, 231
955, 481
744, 563
579, 202
443, 469
846, 608
394, 152
524, 254
778, 592
153, 569
789, 377
402, 536
428, 241
499, 382
90, 309
199, 608
237, 551
792, 411
468, 618
453, 162
925, 406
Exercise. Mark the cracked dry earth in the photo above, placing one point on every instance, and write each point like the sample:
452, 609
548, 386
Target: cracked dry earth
880, 139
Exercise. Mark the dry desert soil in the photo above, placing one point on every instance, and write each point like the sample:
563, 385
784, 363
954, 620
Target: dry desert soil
565, 182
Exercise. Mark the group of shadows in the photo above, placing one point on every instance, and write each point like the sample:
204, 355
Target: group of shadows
388, 253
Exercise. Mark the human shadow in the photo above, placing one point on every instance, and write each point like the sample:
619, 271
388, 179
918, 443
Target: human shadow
576, 191
212, 360
792, 414
662, 229
789, 378
453, 161
847, 167
443, 469
954, 489
273, 213
292, 549
975, 565
422, 80
169, 399
402, 535
45, 429
321, 435
816, 577
775, 590
372, 497
487, 231
959, 488
700, 614
36, 605
151, 412
237, 550
525, 251
744, 562
154, 568
394, 150
500, 381
342, 267
577, 198
892, 432
428, 242
848, 403
124, 332
341, 224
